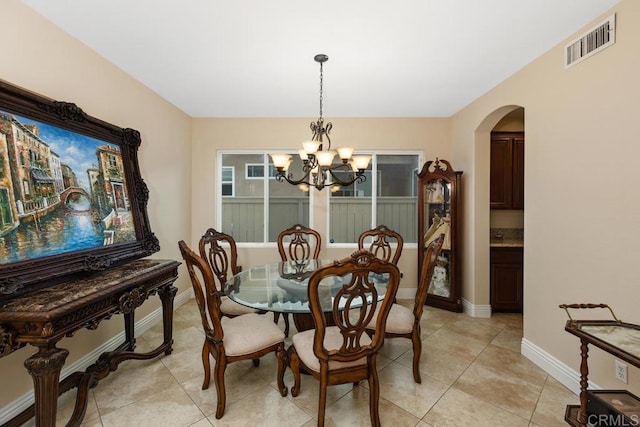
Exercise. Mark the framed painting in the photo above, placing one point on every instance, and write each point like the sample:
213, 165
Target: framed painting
71, 196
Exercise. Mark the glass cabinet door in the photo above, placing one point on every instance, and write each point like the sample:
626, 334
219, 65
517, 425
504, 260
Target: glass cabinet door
438, 214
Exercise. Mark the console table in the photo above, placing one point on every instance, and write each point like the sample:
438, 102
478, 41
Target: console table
617, 338
46, 316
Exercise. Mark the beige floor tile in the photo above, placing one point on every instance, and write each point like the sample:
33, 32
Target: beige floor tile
551, 406
472, 373
186, 364
262, 408
480, 329
398, 387
456, 409
457, 343
509, 338
310, 392
155, 335
353, 410
394, 347
510, 393
202, 423
133, 381
511, 364
169, 406
241, 380
435, 363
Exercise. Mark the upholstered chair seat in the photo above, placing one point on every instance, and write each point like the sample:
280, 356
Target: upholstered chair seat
249, 333
303, 342
230, 308
399, 321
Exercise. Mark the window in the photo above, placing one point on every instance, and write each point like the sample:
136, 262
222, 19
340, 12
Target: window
256, 171
228, 173
355, 209
260, 208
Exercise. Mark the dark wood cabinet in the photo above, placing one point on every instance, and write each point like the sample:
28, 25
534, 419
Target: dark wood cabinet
506, 279
439, 212
507, 170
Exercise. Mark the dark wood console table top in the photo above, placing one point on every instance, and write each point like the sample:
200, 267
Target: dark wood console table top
48, 315
615, 337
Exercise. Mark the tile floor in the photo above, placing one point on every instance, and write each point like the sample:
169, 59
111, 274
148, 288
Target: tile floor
472, 375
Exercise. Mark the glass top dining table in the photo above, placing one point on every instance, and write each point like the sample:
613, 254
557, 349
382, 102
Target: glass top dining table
282, 286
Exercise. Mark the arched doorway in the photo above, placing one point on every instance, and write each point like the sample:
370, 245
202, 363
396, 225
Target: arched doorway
482, 214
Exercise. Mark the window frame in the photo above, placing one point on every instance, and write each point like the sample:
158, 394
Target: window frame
266, 161
375, 185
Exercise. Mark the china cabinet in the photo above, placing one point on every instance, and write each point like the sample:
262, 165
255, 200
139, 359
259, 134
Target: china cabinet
439, 212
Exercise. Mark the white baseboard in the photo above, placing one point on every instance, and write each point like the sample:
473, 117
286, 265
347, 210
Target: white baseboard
26, 400
476, 310
570, 378
406, 293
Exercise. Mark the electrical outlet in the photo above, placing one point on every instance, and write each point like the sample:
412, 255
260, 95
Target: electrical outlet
621, 371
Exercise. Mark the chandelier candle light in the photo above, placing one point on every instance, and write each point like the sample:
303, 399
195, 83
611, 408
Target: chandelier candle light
318, 168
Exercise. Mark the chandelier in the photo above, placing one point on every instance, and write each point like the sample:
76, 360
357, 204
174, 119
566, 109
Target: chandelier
318, 169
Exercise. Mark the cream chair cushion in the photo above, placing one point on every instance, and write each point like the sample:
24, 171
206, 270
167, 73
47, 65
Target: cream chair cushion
248, 333
303, 343
232, 308
400, 320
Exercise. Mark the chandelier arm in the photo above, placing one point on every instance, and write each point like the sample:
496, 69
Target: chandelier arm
281, 176
358, 177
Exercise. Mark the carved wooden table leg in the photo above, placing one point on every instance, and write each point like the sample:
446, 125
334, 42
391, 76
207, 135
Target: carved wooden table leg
45, 367
584, 382
129, 330
167, 295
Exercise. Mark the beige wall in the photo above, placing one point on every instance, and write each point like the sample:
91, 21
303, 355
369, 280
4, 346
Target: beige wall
582, 210
432, 136
43, 59
582, 219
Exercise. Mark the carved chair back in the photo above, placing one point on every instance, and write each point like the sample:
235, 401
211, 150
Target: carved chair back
381, 238
221, 254
299, 243
428, 264
204, 289
354, 304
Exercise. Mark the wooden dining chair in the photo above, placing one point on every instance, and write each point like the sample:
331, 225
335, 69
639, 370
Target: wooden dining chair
221, 254
404, 322
380, 239
297, 243
229, 339
345, 353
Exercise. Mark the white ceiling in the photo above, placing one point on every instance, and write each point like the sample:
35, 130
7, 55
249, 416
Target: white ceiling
253, 58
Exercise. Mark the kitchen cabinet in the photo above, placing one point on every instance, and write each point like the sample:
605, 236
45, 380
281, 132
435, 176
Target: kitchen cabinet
506, 279
507, 170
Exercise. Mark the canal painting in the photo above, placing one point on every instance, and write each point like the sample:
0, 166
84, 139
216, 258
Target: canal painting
60, 191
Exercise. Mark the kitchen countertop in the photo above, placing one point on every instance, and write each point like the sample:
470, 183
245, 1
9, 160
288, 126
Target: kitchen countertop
506, 238
505, 243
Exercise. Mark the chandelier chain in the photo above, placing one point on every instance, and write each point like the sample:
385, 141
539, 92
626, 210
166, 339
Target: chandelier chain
321, 90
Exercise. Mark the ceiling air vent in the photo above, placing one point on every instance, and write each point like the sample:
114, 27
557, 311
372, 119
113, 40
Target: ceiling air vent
598, 38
